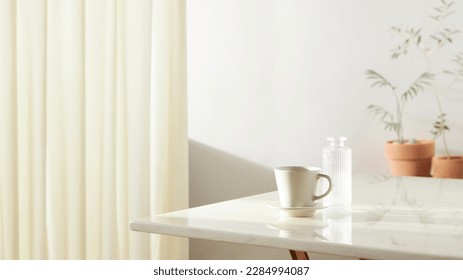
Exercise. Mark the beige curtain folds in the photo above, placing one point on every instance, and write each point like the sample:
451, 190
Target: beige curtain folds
93, 127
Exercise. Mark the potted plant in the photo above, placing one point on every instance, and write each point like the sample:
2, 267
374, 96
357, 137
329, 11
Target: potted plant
447, 165
442, 166
407, 157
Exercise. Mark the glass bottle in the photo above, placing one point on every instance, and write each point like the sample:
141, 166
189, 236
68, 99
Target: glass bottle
337, 163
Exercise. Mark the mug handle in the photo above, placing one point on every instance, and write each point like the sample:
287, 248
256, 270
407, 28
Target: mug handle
320, 175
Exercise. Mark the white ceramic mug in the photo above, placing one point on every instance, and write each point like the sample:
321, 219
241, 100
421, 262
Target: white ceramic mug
297, 185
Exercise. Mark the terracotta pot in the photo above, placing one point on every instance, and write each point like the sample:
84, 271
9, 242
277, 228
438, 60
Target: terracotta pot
447, 167
410, 159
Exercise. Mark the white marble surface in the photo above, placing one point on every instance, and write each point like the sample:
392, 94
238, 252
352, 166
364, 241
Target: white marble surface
391, 218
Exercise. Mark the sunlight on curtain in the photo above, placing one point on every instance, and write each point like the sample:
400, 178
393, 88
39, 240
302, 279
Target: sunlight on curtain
93, 127
170, 141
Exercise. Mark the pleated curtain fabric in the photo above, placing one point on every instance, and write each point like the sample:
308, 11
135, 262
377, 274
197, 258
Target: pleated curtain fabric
93, 127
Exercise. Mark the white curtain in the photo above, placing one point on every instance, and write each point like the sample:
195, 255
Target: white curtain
93, 127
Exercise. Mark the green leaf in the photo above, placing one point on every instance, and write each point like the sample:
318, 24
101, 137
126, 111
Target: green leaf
378, 79
385, 117
435, 38
411, 36
392, 126
458, 71
420, 84
440, 126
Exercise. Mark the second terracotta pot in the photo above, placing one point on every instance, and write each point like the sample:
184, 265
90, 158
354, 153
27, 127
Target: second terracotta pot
447, 167
410, 159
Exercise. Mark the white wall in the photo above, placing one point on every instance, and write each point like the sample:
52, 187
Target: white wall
270, 80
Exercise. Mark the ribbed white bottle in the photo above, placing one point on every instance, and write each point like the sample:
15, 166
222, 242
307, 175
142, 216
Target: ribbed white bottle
337, 163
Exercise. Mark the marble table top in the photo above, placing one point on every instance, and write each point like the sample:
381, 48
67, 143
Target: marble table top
391, 218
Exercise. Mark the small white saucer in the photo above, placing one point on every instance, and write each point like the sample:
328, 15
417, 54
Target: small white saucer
296, 211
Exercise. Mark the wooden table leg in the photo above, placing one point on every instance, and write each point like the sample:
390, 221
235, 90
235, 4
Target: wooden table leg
299, 255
